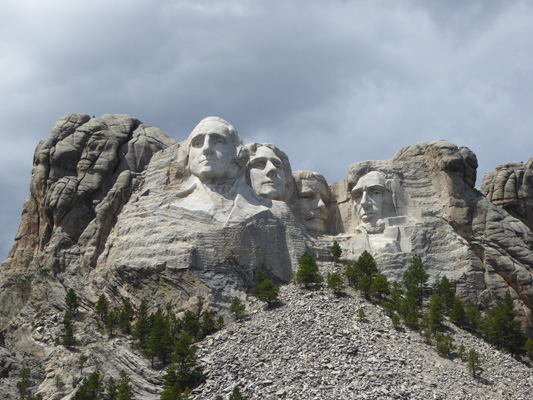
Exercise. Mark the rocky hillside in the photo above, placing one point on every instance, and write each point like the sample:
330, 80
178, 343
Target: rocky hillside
120, 208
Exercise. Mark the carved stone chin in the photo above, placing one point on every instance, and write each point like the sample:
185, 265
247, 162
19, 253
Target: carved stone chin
379, 227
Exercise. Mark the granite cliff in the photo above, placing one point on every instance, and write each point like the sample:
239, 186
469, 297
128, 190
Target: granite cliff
120, 208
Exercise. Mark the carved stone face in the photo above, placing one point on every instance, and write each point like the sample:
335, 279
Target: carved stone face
313, 197
369, 195
212, 152
266, 174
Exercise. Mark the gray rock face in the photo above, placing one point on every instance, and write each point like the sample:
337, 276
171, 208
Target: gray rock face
511, 187
120, 208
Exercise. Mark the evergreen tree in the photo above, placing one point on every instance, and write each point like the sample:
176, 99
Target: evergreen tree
81, 362
436, 313
184, 371
160, 341
474, 363
24, 384
352, 274
445, 345
502, 328
361, 314
335, 282
409, 310
90, 389
124, 390
102, 307
208, 325
446, 293
237, 309
473, 317
414, 280
236, 394
458, 313
336, 251
461, 352
111, 321
268, 292
126, 317
395, 321
307, 273
367, 270
396, 295
111, 389
141, 332
190, 324
71, 300
380, 286
68, 338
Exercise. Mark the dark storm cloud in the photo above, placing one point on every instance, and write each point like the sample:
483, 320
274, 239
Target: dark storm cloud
331, 83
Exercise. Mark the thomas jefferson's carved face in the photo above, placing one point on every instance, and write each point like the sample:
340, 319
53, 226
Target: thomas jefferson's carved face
368, 195
266, 174
212, 152
313, 196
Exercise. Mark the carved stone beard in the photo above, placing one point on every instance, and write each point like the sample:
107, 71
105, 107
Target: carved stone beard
378, 228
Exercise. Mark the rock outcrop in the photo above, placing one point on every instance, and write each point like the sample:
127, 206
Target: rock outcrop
511, 187
121, 208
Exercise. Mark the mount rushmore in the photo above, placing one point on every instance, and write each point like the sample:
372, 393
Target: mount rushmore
120, 208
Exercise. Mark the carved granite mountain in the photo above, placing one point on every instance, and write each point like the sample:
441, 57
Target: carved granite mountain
120, 208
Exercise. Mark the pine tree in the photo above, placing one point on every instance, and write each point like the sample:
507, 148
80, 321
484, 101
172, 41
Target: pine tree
380, 286
90, 389
236, 394
367, 270
414, 280
102, 307
126, 317
71, 300
473, 317
237, 309
160, 341
501, 326
474, 363
208, 325
141, 332
190, 323
124, 390
446, 293
445, 345
335, 282
352, 274
111, 389
436, 313
111, 321
68, 338
81, 362
24, 383
458, 313
268, 292
184, 371
307, 273
336, 251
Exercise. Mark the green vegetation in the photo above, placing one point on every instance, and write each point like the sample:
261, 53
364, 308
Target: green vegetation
265, 289
335, 282
474, 363
307, 274
336, 252
237, 309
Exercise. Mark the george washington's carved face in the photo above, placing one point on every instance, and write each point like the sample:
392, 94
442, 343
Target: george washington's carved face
212, 152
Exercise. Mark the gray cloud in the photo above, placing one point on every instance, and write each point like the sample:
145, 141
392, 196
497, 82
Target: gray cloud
330, 83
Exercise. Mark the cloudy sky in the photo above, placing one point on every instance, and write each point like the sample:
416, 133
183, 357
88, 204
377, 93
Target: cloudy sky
330, 82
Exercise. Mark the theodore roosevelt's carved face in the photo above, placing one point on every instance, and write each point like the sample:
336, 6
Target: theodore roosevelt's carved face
213, 151
369, 195
313, 196
266, 174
